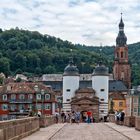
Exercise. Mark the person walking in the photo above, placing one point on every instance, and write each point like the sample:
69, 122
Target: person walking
72, 117
88, 116
77, 117
62, 117
56, 117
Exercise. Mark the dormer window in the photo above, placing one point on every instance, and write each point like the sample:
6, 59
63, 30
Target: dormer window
9, 88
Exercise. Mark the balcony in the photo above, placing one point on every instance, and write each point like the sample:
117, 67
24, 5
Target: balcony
18, 101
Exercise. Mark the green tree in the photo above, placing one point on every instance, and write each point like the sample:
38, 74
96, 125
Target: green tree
49, 70
4, 65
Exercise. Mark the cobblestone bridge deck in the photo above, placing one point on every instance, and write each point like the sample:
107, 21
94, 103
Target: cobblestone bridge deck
82, 131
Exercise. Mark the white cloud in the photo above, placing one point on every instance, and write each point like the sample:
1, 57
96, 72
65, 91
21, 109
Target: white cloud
89, 22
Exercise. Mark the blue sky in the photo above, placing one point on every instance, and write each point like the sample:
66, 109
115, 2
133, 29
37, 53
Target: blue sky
89, 22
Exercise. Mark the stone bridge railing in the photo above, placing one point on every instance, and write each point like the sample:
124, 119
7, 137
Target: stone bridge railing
19, 128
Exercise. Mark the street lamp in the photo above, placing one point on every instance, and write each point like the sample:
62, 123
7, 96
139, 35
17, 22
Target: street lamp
42, 93
36, 90
132, 93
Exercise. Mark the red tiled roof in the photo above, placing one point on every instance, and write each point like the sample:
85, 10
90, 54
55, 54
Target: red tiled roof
23, 87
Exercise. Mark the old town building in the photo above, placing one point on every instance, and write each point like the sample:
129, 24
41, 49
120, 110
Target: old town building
19, 99
133, 102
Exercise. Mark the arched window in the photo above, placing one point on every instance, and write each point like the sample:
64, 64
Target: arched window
47, 96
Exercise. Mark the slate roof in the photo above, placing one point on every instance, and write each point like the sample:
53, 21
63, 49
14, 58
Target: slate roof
115, 85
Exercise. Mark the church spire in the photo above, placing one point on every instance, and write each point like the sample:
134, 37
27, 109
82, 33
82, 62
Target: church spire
121, 38
121, 24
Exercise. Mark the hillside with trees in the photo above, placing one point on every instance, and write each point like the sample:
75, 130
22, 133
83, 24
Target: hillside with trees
34, 54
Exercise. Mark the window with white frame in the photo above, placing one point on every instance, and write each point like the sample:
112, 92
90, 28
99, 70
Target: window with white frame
39, 106
135, 100
135, 110
4, 107
4, 97
38, 97
30, 106
21, 96
47, 96
13, 96
21, 107
48, 106
30, 96
12, 107
4, 117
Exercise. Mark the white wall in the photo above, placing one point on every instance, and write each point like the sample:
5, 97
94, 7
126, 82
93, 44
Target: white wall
98, 83
71, 83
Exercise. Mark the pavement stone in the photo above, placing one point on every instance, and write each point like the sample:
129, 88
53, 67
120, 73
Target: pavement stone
84, 131
130, 132
45, 133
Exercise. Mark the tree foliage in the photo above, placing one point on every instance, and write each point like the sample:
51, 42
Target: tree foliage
34, 54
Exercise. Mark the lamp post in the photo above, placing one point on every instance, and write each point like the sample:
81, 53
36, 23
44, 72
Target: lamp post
132, 93
36, 90
42, 93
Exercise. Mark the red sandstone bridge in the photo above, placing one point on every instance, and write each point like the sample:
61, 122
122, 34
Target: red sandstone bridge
29, 128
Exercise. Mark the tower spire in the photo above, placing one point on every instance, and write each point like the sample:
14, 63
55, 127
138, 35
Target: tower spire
121, 38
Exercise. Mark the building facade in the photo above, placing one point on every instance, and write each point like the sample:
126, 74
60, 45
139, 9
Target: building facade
19, 99
118, 100
99, 85
86, 100
133, 102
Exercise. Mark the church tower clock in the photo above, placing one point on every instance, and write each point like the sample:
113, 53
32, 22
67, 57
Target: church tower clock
121, 67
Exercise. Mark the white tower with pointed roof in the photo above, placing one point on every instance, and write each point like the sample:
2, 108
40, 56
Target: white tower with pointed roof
100, 83
70, 84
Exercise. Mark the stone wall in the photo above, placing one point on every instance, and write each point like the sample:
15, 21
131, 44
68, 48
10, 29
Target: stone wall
17, 129
129, 121
137, 123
